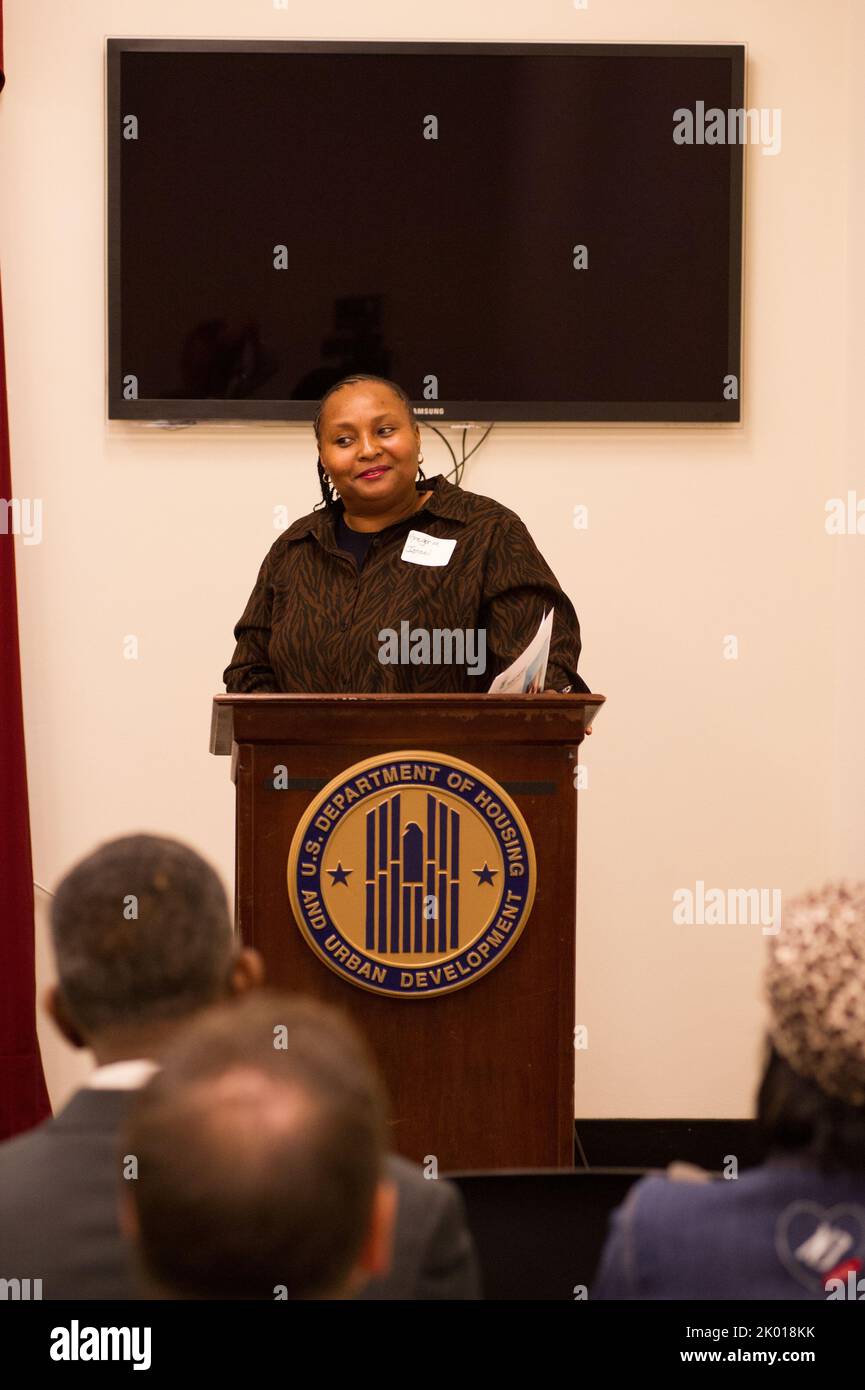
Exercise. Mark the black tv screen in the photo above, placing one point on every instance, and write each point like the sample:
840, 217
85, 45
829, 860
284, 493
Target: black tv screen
510, 231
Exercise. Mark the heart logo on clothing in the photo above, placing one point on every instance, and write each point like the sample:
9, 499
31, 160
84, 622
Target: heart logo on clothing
811, 1240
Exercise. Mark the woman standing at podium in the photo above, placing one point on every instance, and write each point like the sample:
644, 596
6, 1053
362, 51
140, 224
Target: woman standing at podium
345, 594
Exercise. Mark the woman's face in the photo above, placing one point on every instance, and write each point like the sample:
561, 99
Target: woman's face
369, 447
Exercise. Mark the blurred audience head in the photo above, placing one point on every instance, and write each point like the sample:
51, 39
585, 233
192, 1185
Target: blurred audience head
812, 1096
143, 939
260, 1149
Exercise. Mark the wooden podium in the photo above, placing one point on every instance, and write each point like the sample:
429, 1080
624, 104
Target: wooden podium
483, 1076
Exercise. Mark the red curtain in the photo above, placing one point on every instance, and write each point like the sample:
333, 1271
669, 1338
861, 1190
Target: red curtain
23, 1097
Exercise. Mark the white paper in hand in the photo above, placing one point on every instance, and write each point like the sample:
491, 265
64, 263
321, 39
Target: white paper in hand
527, 673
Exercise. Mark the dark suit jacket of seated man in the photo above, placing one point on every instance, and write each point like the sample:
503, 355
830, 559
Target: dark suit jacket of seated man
59, 1208
126, 984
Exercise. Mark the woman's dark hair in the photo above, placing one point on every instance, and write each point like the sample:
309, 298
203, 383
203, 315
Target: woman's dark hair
328, 494
794, 1116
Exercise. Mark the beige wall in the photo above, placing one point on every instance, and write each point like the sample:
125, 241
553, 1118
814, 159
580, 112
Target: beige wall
741, 773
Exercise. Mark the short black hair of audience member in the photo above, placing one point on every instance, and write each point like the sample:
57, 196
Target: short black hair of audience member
142, 935
796, 1117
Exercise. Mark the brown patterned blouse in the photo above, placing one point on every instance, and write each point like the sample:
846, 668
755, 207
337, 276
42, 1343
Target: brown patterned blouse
314, 620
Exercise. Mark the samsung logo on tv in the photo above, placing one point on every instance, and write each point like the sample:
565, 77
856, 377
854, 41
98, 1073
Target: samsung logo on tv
429, 410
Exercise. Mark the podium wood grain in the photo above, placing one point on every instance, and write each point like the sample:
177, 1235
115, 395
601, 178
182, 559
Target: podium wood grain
482, 1077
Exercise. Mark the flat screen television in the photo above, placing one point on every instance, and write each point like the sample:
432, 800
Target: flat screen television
510, 231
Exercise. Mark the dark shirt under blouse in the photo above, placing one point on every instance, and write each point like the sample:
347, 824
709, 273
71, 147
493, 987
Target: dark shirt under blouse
357, 543
313, 620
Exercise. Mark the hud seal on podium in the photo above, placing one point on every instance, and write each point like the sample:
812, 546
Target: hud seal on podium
411, 874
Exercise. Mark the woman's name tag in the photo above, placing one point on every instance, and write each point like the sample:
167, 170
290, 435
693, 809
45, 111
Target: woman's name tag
421, 549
